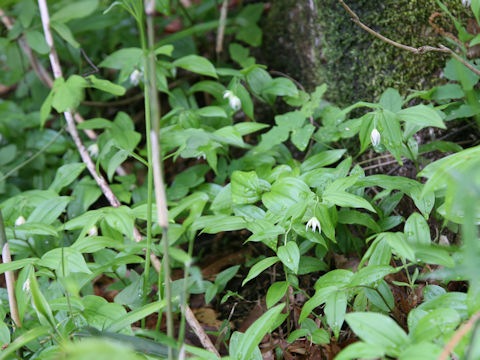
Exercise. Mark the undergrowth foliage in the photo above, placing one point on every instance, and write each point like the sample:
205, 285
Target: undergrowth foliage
299, 185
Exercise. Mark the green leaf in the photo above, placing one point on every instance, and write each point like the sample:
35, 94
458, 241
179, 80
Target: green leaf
389, 127
296, 334
419, 117
49, 210
289, 254
17, 264
106, 86
196, 64
342, 198
292, 120
209, 86
422, 351
417, 231
40, 304
275, 293
391, 100
371, 274
259, 267
33, 334
68, 94
136, 315
65, 175
65, 33
245, 187
335, 308
212, 224
310, 264
256, 332
164, 50
346, 216
320, 296
73, 261
434, 255
126, 58
30, 229
400, 245
75, 10
436, 324
379, 331
36, 41
212, 111
360, 350
281, 87
321, 160
301, 137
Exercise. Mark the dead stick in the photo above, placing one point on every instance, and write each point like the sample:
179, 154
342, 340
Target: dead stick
459, 334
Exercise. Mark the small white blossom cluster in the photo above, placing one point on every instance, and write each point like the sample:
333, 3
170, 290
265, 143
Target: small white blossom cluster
375, 137
93, 150
314, 224
233, 100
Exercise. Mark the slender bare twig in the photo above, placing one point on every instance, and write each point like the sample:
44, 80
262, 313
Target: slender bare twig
9, 277
72, 129
221, 27
90, 62
459, 334
420, 50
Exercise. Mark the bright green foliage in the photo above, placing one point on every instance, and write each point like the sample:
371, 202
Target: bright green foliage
296, 190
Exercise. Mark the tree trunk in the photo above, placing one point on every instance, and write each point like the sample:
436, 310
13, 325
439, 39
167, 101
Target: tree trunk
316, 42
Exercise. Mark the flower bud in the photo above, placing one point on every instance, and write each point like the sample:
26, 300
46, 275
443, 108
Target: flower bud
375, 137
135, 77
93, 150
93, 231
20, 221
233, 100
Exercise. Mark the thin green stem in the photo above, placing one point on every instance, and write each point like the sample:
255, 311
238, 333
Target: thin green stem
146, 273
28, 161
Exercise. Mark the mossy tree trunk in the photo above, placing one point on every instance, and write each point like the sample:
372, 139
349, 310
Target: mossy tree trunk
316, 42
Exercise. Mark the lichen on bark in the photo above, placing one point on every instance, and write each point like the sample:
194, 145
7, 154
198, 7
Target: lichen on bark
354, 64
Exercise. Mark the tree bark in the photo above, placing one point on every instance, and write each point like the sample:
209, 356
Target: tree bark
316, 42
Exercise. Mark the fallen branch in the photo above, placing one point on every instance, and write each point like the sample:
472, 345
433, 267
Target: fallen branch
419, 50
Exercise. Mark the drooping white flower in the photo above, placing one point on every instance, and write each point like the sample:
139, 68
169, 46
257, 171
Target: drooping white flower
26, 286
93, 150
233, 100
135, 77
314, 224
93, 231
375, 137
20, 221
466, 2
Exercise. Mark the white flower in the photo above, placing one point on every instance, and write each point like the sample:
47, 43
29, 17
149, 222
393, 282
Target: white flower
375, 137
135, 77
93, 231
314, 224
26, 286
93, 150
20, 221
466, 2
233, 100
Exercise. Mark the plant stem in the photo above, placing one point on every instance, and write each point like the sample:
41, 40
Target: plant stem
37, 154
9, 277
154, 112
148, 122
